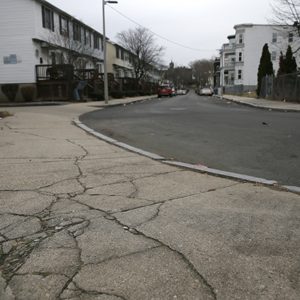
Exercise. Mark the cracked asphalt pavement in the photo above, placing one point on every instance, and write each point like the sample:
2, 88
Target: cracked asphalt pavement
82, 219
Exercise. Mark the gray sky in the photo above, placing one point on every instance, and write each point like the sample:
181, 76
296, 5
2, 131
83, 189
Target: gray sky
199, 24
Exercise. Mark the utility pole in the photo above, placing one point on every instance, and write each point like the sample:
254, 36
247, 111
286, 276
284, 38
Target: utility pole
106, 96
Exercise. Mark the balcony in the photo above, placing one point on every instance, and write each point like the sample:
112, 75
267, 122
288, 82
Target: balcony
228, 65
228, 48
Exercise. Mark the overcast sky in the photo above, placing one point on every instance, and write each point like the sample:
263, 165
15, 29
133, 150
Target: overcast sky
199, 24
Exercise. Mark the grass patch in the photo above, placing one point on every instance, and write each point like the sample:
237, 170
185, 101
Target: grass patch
4, 114
250, 95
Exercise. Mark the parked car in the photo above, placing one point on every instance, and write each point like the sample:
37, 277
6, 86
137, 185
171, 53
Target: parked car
206, 92
174, 92
182, 92
164, 90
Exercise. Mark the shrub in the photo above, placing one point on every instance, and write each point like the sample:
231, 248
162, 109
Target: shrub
10, 91
28, 92
143, 93
99, 96
131, 93
117, 94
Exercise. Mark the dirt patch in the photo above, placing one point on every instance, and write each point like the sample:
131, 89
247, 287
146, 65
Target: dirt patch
4, 114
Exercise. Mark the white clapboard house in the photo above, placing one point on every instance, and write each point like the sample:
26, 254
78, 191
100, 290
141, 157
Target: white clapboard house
239, 58
35, 35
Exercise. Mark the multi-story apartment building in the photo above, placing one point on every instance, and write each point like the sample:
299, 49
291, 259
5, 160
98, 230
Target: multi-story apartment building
34, 32
227, 62
122, 65
239, 58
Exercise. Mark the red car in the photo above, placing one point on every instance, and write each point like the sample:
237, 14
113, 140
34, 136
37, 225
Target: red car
164, 90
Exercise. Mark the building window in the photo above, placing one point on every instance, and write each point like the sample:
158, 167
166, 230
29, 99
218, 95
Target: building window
48, 18
231, 78
239, 74
101, 42
76, 32
100, 68
273, 55
126, 56
241, 38
53, 58
96, 41
291, 37
122, 54
63, 26
240, 56
61, 58
274, 37
87, 37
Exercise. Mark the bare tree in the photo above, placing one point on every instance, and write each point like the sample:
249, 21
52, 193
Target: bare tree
287, 12
74, 52
146, 54
202, 70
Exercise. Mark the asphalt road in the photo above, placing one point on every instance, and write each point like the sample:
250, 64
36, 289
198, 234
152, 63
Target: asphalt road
210, 132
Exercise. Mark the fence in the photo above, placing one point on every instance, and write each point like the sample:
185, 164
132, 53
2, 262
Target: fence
284, 87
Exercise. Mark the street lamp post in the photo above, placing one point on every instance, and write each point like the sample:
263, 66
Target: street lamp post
105, 50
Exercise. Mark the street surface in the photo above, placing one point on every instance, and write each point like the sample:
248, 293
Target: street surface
81, 219
208, 131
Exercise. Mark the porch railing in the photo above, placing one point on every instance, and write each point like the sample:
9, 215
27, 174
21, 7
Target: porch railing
54, 72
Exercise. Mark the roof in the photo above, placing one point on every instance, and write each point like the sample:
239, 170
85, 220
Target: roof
48, 4
243, 25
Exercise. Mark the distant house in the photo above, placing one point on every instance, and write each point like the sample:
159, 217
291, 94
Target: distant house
122, 63
34, 32
239, 58
179, 76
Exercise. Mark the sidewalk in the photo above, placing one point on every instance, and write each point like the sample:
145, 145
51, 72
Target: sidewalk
83, 219
111, 102
264, 104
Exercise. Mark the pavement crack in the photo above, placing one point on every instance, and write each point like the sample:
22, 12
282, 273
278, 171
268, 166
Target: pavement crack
78, 159
23, 247
80, 264
80, 291
136, 189
113, 257
180, 254
17, 257
33, 134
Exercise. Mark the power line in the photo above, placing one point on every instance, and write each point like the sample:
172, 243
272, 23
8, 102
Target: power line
158, 35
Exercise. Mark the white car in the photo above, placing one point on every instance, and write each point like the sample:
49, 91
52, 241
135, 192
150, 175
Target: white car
181, 92
206, 92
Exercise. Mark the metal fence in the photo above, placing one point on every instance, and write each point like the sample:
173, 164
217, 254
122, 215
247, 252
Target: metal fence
284, 87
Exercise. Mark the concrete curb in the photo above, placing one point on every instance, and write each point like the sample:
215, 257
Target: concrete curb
196, 168
127, 103
258, 106
221, 173
52, 103
116, 143
28, 104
